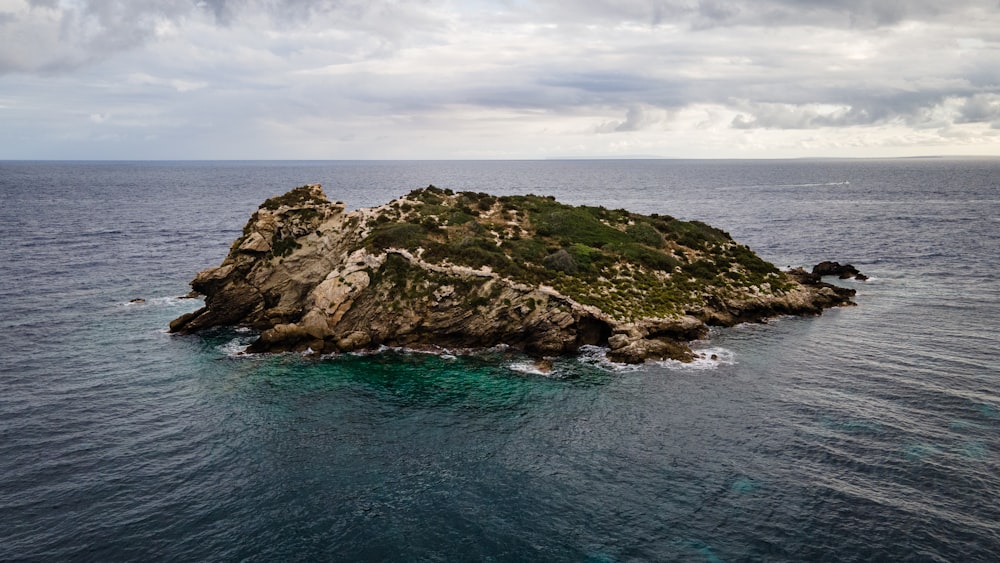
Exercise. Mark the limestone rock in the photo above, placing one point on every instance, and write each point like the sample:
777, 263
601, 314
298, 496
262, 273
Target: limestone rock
437, 268
255, 243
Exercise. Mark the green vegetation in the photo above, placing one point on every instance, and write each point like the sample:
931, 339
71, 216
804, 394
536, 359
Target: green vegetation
644, 233
396, 235
561, 261
284, 247
627, 264
299, 197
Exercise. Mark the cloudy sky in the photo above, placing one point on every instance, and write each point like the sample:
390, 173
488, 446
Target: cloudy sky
395, 79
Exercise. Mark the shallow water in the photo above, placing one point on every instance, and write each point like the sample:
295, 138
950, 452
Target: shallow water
869, 433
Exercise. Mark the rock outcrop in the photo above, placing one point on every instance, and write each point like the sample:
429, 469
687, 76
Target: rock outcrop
842, 271
466, 270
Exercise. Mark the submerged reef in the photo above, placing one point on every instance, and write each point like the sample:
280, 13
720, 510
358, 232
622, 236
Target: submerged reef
437, 268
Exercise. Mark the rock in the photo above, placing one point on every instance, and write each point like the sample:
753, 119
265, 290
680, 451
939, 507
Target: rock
180, 323
544, 365
354, 340
804, 277
255, 243
619, 341
467, 270
842, 271
642, 349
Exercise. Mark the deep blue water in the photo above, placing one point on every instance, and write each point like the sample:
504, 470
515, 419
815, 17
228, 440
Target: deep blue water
870, 433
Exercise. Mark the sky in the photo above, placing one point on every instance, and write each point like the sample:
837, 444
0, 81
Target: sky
498, 79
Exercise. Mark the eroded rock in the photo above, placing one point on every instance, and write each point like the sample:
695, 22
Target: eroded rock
464, 270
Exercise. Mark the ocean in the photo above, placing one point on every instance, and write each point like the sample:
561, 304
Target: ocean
870, 433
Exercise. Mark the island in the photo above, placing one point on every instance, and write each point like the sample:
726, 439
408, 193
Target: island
439, 269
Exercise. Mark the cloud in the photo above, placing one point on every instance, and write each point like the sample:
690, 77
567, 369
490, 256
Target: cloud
144, 79
706, 14
525, 77
927, 111
65, 35
58, 35
980, 108
637, 118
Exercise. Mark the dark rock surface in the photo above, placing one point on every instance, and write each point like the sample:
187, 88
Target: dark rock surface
842, 271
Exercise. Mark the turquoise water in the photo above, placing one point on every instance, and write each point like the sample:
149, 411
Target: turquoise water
869, 433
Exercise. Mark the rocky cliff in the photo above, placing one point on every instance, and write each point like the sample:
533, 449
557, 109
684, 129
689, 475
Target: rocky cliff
437, 268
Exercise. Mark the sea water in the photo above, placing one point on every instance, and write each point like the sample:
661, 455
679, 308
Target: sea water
869, 433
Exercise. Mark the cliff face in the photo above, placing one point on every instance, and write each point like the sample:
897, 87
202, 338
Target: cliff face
437, 268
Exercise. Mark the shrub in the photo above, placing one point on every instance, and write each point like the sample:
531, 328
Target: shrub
525, 250
576, 225
298, 197
645, 233
285, 246
755, 264
458, 216
396, 235
587, 258
430, 223
561, 261
693, 234
701, 269
655, 259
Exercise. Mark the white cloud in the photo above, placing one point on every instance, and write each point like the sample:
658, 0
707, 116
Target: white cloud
143, 79
439, 78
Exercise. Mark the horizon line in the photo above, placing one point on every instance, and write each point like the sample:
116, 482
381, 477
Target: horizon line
539, 159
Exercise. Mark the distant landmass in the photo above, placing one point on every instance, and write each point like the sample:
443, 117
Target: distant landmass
443, 269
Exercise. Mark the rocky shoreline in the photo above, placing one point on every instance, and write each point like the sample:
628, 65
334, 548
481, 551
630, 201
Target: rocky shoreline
437, 268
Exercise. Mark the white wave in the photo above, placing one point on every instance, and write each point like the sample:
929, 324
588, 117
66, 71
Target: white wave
597, 356
443, 353
531, 368
168, 301
235, 348
705, 358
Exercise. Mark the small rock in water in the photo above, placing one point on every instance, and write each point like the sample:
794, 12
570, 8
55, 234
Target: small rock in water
715, 357
843, 271
544, 365
138, 300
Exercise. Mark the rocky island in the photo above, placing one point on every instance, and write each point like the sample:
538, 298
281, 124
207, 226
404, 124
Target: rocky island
437, 268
